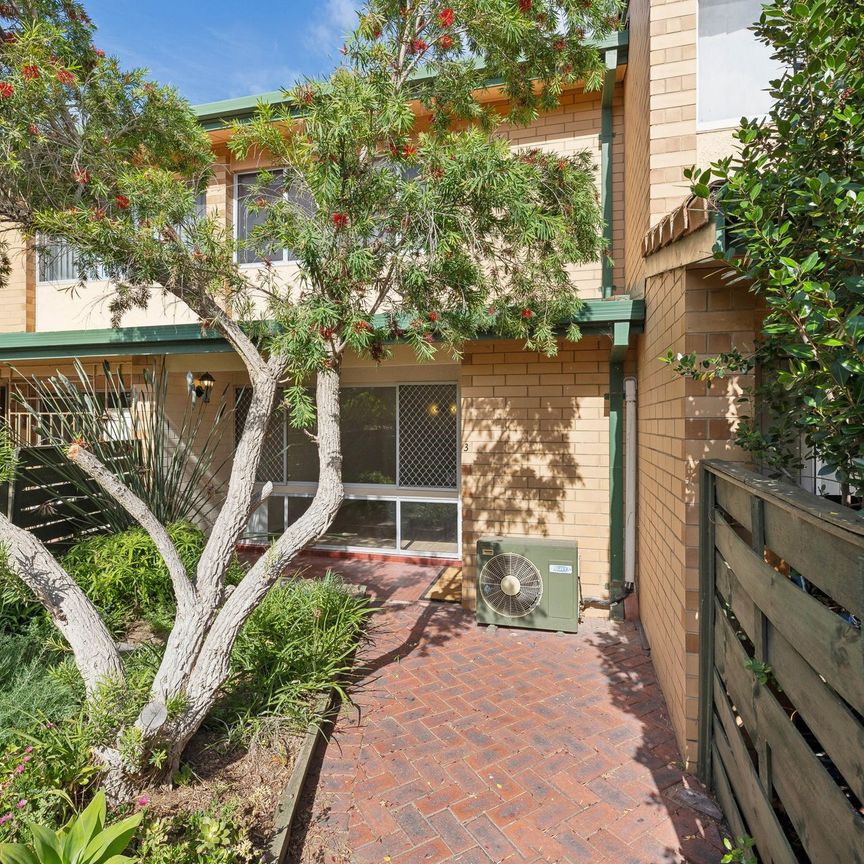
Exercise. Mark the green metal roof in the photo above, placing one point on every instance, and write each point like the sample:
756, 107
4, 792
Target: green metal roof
595, 315
214, 115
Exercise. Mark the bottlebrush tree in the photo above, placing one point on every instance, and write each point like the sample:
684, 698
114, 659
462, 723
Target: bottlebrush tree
410, 218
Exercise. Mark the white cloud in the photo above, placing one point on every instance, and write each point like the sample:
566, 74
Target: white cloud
328, 29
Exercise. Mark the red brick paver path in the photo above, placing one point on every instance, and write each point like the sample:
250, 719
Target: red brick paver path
472, 744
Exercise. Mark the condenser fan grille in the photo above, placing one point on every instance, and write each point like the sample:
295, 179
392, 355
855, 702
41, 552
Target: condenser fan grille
511, 585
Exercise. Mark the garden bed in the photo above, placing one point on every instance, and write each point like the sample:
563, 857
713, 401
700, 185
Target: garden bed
225, 803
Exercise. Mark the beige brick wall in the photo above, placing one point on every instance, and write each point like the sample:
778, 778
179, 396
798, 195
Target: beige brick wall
535, 439
636, 145
16, 296
681, 423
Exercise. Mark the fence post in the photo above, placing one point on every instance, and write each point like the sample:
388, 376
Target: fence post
707, 481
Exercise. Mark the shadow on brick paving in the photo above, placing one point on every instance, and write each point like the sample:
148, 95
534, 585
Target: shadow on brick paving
473, 745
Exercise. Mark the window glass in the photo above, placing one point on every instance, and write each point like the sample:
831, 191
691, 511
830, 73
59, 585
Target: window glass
363, 523
248, 219
368, 423
429, 527
733, 67
428, 435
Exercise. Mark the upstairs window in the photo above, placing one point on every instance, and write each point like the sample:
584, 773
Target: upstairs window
58, 260
734, 68
249, 191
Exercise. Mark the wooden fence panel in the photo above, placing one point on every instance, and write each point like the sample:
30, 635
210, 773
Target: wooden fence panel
782, 666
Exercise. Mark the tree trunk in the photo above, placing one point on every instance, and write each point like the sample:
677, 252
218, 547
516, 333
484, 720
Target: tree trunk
196, 664
71, 611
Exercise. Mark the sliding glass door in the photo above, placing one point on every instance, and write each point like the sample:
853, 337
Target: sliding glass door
400, 447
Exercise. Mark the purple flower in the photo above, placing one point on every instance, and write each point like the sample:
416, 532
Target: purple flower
21, 804
28, 749
6, 817
20, 769
143, 801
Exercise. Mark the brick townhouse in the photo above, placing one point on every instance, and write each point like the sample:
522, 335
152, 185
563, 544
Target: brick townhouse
505, 441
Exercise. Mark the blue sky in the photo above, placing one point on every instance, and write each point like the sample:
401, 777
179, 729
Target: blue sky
217, 49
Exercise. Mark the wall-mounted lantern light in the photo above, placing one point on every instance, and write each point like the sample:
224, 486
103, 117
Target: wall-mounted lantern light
201, 386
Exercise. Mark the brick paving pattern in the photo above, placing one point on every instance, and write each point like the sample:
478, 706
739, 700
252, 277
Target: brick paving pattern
475, 745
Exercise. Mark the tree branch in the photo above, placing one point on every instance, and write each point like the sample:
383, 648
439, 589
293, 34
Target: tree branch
184, 591
71, 611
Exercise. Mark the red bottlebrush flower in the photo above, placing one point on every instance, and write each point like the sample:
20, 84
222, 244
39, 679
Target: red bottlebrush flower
30, 72
64, 76
33, 129
261, 201
198, 255
447, 17
340, 221
562, 164
306, 95
418, 46
446, 42
429, 338
437, 173
82, 176
559, 45
433, 317
268, 261
524, 6
122, 202
97, 214
362, 327
409, 151
394, 150
97, 51
490, 310
527, 313
326, 332
7, 90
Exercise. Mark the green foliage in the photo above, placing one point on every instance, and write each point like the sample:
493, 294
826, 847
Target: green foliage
740, 853
125, 576
44, 773
793, 204
296, 646
218, 835
8, 457
30, 687
85, 839
763, 672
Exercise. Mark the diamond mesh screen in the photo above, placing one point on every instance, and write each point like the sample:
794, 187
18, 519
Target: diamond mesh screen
428, 435
272, 464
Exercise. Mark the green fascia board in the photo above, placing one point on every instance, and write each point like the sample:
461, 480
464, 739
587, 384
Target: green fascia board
193, 339
155, 340
215, 115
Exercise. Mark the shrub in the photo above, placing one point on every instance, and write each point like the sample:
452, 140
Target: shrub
85, 839
29, 685
296, 646
44, 774
218, 835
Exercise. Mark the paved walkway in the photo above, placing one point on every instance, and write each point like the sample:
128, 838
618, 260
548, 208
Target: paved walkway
476, 745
